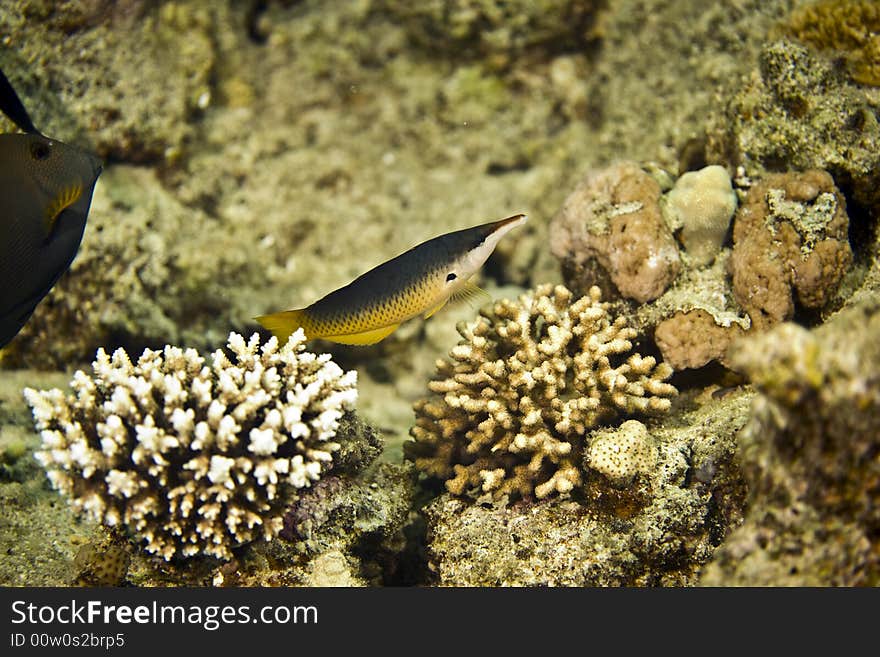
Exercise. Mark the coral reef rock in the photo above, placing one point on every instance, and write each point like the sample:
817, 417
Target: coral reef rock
194, 458
655, 505
790, 237
702, 204
809, 454
695, 320
525, 384
848, 26
345, 530
611, 230
796, 112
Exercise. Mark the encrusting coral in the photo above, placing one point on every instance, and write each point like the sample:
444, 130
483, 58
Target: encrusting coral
194, 458
529, 379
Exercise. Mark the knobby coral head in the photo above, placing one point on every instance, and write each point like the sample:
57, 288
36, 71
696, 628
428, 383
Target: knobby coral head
194, 458
511, 409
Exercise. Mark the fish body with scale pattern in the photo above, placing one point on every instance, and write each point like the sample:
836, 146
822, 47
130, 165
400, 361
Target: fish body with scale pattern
417, 282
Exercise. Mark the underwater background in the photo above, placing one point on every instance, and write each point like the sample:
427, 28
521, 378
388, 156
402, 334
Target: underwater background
703, 176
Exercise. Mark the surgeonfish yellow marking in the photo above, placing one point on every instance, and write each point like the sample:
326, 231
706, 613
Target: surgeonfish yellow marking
67, 197
418, 282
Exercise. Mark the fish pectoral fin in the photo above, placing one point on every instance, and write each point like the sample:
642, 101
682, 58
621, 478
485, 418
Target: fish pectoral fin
66, 197
364, 338
473, 294
433, 310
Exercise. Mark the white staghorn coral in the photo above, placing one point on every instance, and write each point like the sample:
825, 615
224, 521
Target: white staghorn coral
194, 458
524, 386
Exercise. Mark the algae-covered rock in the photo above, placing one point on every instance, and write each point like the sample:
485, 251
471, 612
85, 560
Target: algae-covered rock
809, 453
796, 111
851, 27
127, 77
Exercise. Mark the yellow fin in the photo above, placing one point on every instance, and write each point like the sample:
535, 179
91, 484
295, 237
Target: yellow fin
473, 294
364, 338
282, 324
67, 197
431, 311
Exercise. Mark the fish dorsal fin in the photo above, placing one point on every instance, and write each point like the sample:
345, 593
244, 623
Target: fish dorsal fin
364, 338
12, 106
431, 311
472, 294
65, 198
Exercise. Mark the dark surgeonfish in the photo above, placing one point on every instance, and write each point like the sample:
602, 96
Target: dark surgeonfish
418, 282
45, 191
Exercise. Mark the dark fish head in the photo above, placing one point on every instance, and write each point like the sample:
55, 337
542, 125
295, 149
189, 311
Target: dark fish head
46, 189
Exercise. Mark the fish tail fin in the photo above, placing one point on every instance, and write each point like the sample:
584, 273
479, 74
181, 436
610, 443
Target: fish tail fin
284, 323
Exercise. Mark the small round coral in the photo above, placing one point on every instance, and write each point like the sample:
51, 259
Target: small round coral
525, 384
621, 454
195, 459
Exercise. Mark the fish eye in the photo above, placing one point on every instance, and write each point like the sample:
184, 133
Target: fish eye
450, 276
39, 150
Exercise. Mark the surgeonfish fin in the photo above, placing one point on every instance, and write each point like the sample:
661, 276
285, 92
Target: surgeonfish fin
12, 106
366, 337
472, 294
67, 197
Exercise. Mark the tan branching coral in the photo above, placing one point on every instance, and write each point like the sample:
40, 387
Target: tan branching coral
527, 382
194, 458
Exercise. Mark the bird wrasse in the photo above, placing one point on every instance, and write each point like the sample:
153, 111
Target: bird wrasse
418, 282
45, 192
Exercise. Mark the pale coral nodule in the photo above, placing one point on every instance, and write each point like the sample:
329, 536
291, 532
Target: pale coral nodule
194, 458
511, 409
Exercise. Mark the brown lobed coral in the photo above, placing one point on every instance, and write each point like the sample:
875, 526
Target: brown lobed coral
525, 384
611, 230
789, 242
692, 338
